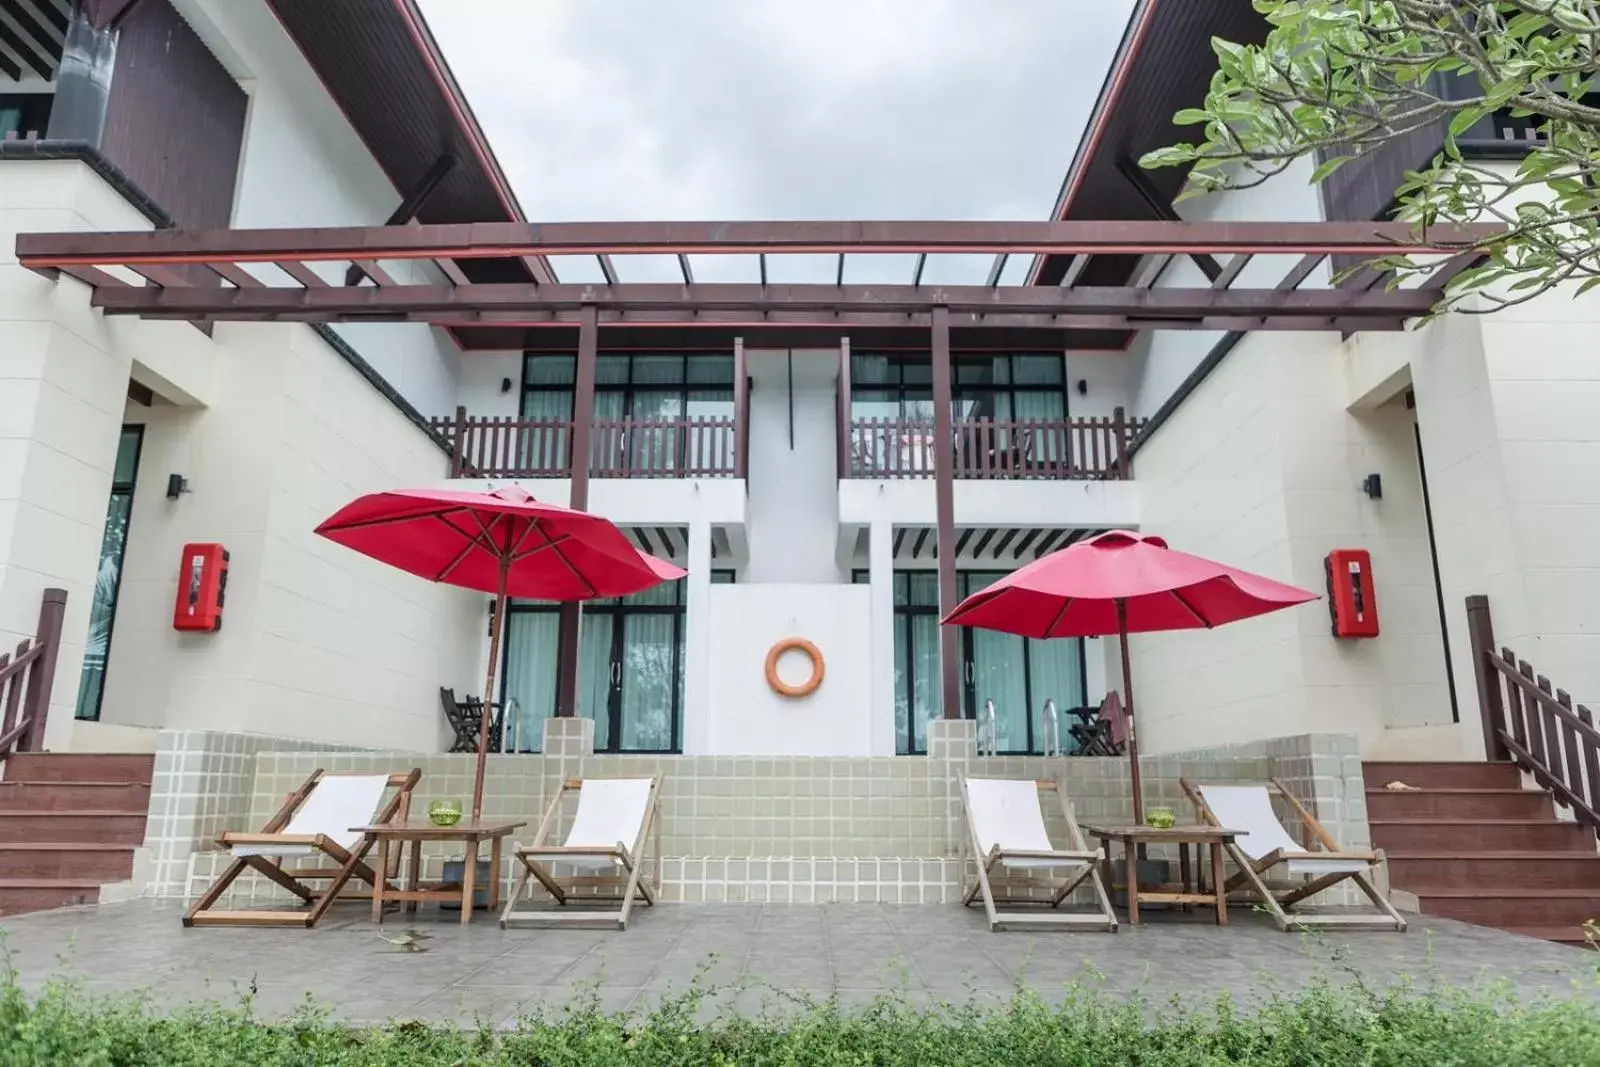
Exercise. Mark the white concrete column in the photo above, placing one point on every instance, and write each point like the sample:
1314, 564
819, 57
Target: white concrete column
880, 561
61, 408
1095, 674
697, 639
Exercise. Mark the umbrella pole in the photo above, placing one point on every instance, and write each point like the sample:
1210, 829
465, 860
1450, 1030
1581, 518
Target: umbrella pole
1127, 698
488, 691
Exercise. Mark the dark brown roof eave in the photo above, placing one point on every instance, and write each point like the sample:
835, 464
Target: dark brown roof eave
1165, 64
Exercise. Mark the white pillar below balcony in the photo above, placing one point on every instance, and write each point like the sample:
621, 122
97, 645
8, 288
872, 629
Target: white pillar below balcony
697, 639
880, 562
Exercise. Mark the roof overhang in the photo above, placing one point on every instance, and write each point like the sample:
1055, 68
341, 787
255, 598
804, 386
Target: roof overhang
1163, 64
268, 276
382, 66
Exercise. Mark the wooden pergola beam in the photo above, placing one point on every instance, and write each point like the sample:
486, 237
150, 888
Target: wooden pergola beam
490, 240
772, 302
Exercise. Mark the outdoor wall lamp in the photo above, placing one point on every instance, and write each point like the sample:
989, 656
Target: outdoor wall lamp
177, 485
1372, 485
1083, 386
505, 385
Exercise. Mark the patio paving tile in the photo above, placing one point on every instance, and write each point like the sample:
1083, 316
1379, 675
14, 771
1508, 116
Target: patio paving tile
750, 959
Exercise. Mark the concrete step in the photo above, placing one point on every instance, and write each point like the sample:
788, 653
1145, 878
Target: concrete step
1506, 908
1443, 775
1466, 835
99, 863
19, 895
1385, 804
130, 797
82, 827
79, 767
1530, 871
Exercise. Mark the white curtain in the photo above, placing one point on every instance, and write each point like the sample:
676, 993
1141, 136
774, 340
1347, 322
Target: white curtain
530, 674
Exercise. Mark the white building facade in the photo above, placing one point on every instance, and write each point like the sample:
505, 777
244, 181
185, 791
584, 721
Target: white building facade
792, 477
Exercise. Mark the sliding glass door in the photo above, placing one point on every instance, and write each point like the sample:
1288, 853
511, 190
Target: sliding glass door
1017, 674
645, 703
630, 669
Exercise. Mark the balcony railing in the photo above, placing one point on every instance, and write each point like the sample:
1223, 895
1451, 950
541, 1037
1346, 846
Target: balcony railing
1093, 449
487, 446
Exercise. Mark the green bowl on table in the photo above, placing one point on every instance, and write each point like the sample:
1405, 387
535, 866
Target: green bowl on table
444, 812
1160, 818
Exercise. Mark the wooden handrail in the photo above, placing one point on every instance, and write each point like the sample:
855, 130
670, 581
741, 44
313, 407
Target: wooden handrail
27, 677
1530, 722
1094, 448
492, 446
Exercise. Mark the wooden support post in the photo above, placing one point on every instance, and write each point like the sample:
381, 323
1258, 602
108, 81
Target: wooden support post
458, 444
578, 462
741, 411
945, 510
843, 408
1491, 707
1119, 430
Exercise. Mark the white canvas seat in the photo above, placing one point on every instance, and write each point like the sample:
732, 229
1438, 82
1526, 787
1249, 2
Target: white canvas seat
316, 820
1006, 825
336, 803
1264, 847
615, 818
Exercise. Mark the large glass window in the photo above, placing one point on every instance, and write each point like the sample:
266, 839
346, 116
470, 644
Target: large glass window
630, 668
22, 114
661, 389
983, 385
108, 578
1016, 673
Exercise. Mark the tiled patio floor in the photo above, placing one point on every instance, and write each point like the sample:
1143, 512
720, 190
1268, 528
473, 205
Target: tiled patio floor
858, 951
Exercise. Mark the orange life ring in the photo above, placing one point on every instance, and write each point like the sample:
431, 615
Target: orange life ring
805, 688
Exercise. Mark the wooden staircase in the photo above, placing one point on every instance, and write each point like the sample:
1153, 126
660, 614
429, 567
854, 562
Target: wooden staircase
1471, 844
69, 823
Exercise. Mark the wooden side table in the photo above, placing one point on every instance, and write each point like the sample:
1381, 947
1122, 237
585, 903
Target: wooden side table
396, 835
1134, 838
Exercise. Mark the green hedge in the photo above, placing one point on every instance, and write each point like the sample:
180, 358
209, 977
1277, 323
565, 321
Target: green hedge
1326, 1024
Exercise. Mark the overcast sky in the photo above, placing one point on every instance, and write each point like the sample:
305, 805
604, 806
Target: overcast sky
781, 109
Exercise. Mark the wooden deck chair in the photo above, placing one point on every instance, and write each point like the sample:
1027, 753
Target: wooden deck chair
615, 820
1006, 825
1267, 847
314, 821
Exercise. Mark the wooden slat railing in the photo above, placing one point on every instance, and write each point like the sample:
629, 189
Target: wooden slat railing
705, 447
26, 678
1530, 722
1088, 448
488, 446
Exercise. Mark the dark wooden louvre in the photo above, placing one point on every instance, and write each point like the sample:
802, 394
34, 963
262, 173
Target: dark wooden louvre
175, 118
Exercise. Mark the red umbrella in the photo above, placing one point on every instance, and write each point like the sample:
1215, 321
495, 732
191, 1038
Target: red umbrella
1121, 583
503, 542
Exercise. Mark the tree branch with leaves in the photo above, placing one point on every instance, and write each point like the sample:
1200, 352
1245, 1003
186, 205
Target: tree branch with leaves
1339, 78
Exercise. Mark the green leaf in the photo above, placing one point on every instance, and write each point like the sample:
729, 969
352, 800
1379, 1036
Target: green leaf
1465, 120
1171, 156
1327, 167
1191, 116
